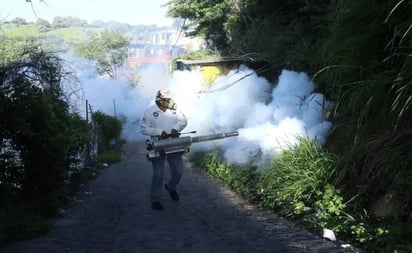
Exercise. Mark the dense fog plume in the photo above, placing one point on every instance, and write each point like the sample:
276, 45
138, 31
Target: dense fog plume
269, 118
118, 97
127, 102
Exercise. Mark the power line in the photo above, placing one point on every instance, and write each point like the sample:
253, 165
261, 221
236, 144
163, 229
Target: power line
257, 71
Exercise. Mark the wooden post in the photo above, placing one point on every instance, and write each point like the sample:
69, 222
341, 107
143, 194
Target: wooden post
114, 105
87, 110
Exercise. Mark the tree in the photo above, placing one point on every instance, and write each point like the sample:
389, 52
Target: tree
272, 28
110, 129
204, 18
42, 22
38, 133
19, 21
108, 50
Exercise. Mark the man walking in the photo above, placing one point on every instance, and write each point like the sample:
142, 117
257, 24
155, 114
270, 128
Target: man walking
162, 120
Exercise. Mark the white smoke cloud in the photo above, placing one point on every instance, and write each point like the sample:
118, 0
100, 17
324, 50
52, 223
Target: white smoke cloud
117, 97
269, 118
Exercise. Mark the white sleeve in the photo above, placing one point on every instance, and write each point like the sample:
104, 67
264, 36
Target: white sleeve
181, 121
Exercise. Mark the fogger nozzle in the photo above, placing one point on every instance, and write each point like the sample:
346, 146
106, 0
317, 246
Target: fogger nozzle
214, 136
175, 145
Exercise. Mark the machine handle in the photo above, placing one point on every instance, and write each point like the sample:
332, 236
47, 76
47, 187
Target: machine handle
169, 135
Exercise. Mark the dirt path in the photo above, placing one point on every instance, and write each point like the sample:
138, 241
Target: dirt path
116, 217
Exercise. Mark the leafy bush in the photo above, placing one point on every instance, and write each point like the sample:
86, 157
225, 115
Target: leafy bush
20, 224
109, 157
242, 180
108, 50
110, 129
37, 129
197, 55
39, 136
295, 176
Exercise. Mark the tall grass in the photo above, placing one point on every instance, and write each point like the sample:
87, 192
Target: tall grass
367, 70
294, 177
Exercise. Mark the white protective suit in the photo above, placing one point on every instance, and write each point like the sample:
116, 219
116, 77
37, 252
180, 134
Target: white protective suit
154, 121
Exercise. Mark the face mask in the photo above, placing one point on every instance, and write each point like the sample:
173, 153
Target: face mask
172, 105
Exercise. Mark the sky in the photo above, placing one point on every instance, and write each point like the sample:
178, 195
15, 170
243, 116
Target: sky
133, 12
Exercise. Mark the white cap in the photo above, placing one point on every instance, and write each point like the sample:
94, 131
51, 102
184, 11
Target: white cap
163, 94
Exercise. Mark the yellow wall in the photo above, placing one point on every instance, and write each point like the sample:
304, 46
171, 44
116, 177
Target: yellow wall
209, 74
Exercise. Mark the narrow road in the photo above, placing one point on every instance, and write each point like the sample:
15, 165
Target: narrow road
116, 217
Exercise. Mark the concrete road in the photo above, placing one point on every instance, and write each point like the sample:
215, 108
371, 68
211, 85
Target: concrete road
116, 217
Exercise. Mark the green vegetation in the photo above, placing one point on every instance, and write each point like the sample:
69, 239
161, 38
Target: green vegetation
109, 157
19, 223
295, 185
110, 129
196, 55
73, 35
107, 48
43, 143
295, 176
22, 31
109, 51
359, 54
70, 36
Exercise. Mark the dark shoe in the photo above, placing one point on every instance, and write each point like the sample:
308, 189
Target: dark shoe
157, 205
173, 194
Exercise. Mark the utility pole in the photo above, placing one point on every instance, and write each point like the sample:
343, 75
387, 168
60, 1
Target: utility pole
114, 106
87, 110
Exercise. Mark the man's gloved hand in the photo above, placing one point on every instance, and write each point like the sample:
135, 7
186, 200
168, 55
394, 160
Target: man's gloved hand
163, 135
174, 133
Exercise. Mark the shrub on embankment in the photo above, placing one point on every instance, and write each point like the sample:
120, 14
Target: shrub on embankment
43, 142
